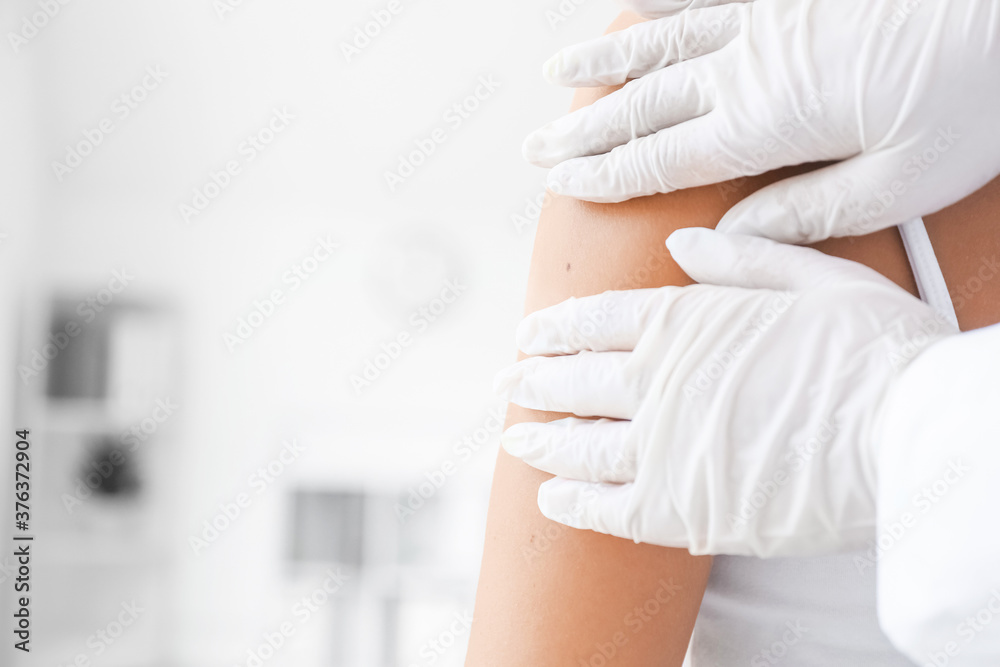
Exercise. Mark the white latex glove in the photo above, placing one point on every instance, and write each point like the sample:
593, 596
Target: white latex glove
654, 9
739, 416
902, 94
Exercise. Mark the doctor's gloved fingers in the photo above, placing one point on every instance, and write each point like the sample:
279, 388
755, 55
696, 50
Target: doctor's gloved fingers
644, 48
583, 449
643, 106
838, 200
600, 507
611, 321
737, 260
589, 384
701, 151
653, 9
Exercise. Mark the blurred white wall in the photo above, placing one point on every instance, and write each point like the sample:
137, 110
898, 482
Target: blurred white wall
221, 80
21, 193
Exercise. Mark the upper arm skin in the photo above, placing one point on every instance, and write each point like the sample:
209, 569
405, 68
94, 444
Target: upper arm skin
552, 596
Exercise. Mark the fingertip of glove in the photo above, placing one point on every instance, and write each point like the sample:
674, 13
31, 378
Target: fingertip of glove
533, 148
526, 334
587, 178
504, 381
762, 216
515, 440
553, 69
543, 499
558, 500
559, 178
685, 239
733, 225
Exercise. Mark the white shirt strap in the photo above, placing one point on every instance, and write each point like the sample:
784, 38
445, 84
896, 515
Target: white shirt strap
926, 271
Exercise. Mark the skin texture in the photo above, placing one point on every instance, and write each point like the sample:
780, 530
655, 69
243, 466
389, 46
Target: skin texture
549, 595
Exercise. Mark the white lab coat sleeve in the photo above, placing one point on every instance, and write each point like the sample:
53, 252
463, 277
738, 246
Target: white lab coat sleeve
937, 550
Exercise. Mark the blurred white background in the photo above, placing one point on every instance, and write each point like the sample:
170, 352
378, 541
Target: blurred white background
207, 481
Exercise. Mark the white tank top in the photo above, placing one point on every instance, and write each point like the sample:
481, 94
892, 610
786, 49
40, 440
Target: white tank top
806, 612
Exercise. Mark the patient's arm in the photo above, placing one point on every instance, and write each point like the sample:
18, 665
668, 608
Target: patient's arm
551, 596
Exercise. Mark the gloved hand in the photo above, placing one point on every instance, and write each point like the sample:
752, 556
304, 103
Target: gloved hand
738, 416
901, 94
654, 9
